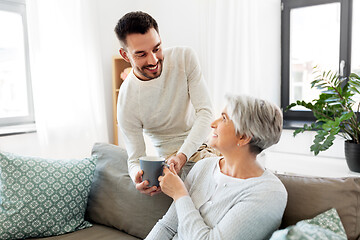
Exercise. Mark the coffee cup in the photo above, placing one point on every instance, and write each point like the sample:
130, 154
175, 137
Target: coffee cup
152, 168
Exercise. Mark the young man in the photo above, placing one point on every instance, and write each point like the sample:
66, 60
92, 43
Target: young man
164, 96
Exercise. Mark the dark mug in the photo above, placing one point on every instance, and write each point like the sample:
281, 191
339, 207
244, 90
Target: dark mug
152, 168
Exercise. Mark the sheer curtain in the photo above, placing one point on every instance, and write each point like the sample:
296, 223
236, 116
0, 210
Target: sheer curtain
242, 50
66, 76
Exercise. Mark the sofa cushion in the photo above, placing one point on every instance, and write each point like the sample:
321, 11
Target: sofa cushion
326, 225
114, 200
43, 197
96, 232
310, 196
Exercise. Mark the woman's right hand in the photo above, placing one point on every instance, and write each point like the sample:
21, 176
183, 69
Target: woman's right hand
171, 184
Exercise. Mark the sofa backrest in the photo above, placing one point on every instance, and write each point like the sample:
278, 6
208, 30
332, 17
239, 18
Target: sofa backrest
310, 196
114, 200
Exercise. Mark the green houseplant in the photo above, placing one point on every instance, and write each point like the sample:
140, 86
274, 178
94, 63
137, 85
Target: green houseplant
334, 113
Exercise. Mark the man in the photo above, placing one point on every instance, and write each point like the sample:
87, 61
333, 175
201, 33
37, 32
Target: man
164, 96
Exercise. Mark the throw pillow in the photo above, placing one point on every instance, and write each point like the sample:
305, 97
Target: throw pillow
43, 197
310, 196
326, 225
114, 200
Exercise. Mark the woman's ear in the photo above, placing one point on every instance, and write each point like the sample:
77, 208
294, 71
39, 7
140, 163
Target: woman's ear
123, 53
243, 140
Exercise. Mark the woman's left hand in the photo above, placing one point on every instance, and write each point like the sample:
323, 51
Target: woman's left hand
171, 184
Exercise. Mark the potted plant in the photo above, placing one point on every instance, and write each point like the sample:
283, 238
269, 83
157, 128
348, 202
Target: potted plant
335, 114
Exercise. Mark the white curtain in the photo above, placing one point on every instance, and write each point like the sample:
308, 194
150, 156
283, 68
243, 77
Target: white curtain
241, 54
67, 76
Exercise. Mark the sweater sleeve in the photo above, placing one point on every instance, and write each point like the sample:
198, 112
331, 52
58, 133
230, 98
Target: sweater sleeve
132, 131
255, 218
166, 227
201, 102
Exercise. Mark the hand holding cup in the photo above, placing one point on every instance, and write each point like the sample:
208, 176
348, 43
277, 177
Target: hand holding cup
171, 184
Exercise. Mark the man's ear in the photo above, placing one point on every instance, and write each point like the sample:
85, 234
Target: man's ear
123, 53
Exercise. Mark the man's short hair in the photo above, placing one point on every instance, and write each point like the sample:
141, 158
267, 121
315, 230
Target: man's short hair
134, 22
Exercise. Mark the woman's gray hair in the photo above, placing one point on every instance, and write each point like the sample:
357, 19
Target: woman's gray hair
256, 118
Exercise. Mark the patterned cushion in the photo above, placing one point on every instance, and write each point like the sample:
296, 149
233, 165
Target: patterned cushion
324, 226
41, 197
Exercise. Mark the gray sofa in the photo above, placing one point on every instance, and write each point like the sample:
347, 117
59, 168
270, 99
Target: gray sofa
118, 211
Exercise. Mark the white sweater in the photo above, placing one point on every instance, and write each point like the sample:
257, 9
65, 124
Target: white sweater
246, 209
174, 110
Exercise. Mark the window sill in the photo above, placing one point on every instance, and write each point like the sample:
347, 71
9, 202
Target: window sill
17, 129
295, 124
307, 165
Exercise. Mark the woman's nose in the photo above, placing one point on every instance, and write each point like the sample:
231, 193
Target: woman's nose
214, 123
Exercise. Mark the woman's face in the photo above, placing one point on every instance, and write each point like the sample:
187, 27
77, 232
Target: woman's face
224, 136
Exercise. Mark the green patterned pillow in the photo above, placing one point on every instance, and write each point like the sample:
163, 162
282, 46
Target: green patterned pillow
41, 197
326, 225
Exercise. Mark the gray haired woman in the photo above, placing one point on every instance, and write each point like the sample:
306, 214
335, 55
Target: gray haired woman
233, 196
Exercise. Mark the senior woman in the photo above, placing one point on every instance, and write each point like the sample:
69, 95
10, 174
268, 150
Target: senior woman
233, 196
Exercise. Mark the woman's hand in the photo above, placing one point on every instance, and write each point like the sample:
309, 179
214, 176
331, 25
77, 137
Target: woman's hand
171, 184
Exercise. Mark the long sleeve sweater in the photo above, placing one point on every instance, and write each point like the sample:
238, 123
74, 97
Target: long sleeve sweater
248, 209
174, 110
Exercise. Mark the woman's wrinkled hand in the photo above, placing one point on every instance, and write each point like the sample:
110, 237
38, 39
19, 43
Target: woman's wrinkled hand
171, 184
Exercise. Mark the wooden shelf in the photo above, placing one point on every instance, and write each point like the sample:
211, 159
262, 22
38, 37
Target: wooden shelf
118, 66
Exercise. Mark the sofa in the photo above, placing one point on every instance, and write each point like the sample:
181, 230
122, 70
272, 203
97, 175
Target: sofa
117, 210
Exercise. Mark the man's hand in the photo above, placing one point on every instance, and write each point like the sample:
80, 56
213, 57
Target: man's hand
142, 186
179, 161
171, 184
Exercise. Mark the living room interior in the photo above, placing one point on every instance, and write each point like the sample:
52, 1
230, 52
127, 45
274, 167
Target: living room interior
70, 49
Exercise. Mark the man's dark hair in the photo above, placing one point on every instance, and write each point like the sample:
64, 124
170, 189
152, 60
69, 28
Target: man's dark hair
134, 22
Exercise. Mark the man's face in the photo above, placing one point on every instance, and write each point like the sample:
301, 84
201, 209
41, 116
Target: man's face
144, 53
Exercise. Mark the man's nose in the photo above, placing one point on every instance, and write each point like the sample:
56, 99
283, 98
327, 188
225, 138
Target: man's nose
152, 59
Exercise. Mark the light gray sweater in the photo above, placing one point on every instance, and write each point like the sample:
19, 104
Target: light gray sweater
174, 110
248, 209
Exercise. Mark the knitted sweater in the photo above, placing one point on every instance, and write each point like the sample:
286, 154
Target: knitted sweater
248, 209
174, 110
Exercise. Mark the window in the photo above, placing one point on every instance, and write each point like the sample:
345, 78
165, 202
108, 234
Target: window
16, 104
315, 33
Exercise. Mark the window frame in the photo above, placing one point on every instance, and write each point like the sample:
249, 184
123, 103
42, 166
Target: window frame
294, 119
19, 7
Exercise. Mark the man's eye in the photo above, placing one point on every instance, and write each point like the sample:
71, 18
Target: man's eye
141, 55
156, 50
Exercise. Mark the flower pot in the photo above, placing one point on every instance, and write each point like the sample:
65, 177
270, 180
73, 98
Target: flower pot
352, 155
